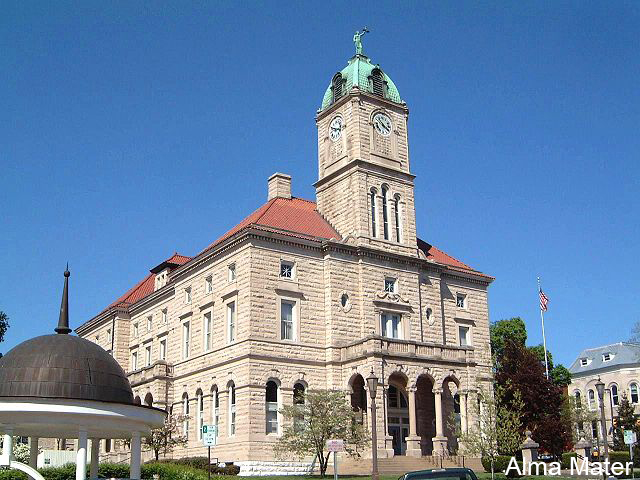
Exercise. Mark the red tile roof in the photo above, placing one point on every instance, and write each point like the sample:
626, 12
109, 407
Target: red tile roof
295, 217
291, 216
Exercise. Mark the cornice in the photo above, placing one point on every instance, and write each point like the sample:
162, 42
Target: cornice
360, 164
355, 93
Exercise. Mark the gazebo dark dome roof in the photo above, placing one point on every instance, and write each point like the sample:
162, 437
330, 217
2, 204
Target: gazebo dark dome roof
63, 366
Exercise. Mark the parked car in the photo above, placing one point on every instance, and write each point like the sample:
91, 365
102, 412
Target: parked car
440, 474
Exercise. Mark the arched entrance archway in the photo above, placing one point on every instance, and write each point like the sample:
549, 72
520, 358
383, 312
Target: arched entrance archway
425, 413
398, 413
359, 398
451, 411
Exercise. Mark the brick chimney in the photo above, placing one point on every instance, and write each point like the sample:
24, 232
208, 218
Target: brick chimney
279, 186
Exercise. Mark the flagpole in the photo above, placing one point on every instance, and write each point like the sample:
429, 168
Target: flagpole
544, 339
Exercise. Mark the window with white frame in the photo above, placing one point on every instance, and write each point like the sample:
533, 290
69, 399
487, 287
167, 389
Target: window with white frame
185, 413
287, 327
591, 397
464, 335
163, 349
391, 325
633, 390
208, 284
584, 362
215, 411
614, 395
187, 295
286, 269
147, 355
134, 361
149, 323
165, 316
186, 339
390, 285
206, 329
461, 300
135, 329
606, 357
271, 404
232, 409
200, 413
231, 273
231, 322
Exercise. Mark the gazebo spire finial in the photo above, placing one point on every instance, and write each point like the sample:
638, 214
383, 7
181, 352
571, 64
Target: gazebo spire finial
63, 322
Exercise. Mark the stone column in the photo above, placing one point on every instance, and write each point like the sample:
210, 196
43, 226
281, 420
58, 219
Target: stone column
136, 451
413, 440
33, 452
7, 446
95, 458
529, 450
81, 456
464, 420
440, 446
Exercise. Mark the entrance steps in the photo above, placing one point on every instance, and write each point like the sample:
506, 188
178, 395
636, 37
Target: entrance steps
401, 464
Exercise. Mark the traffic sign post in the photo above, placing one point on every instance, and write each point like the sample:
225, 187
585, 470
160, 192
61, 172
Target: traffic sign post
630, 439
209, 438
335, 446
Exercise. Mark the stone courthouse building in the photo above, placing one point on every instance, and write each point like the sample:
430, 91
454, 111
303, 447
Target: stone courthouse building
314, 295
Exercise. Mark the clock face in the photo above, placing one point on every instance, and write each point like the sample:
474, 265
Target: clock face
335, 128
382, 124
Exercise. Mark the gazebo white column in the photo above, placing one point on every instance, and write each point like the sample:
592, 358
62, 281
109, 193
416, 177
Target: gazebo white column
95, 458
33, 452
7, 446
81, 456
136, 449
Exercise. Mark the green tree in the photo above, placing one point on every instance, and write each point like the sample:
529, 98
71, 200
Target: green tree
626, 420
503, 330
4, 326
167, 437
497, 431
560, 375
324, 415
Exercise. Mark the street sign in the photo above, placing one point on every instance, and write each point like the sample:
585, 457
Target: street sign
335, 445
209, 435
629, 437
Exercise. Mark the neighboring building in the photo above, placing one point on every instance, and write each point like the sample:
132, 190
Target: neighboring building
618, 367
303, 295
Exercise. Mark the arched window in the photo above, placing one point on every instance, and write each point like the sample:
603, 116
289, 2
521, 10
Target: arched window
377, 80
298, 401
373, 213
200, 414
148, 400
578, 398
385, 213
633, 390
592, 399
614, 394
337, 87
137, 401
215, 410
395, 398
232, 409
396, 211
271, 407
185, 413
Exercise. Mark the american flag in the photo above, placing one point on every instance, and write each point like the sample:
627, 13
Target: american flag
544, 301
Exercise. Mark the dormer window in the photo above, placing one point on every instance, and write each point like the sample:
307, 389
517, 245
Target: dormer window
606, 357
377, 80
337, 87
584, 362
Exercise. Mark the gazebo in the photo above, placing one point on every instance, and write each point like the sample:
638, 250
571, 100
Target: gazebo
63, 386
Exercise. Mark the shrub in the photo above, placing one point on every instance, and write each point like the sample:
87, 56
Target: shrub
66, 472
201, 463
113, 470
566, 460
6, 474
622, 457
172, 471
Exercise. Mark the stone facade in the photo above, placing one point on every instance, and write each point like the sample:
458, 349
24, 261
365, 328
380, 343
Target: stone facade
357, 300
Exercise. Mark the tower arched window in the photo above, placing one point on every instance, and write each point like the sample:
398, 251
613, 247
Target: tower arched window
185, 416
398, 217
592, 399
337, 87
232, 409
199, 414
298, 401
578, 398
271, 407
633, 390
377, 80
215, 410
385, 213
374, 228
614, 394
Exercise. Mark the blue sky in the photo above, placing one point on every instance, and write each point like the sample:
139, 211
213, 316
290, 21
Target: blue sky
130, 130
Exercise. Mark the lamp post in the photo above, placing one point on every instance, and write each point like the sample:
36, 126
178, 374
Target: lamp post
372, 383
600, 388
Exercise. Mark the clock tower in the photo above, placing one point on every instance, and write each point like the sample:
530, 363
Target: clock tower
365, 187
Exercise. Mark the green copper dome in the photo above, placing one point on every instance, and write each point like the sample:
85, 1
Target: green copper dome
361, 73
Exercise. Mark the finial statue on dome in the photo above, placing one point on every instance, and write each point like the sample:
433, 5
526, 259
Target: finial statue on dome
357, 40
